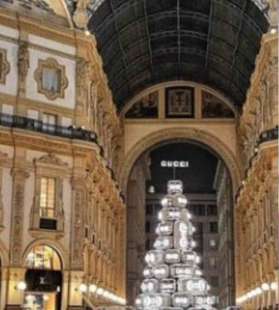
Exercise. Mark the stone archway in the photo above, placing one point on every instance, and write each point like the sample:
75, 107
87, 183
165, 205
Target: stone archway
206, 139
193, 134
54, 245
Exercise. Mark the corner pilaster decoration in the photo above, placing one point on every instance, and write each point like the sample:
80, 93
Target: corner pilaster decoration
79, 200
19, 177
4, 66
83, 70
93, 100
51, 78
23, 66
3, 158
49, 166
81, 16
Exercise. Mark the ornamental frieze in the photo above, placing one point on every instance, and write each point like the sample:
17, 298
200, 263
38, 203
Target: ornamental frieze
4, 66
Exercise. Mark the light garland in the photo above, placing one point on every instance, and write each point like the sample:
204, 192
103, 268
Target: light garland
265, 287
102, 293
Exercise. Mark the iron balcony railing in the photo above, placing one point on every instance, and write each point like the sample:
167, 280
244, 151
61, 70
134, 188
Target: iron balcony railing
70, 132
269, 135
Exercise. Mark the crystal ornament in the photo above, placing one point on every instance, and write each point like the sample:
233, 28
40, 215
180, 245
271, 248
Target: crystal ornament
172, 276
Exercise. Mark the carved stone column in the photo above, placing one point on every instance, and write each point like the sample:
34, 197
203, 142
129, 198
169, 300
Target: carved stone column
19, 177
23, 66
79, 201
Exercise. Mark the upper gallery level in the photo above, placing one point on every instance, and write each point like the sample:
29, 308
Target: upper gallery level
51, 74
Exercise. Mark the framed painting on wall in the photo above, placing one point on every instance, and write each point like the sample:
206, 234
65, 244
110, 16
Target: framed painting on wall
180, 102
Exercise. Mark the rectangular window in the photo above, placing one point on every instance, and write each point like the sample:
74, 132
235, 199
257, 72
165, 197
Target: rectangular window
214, 281
199, 210
49, 122
212, 262
47, 197
213, 243
213, 227
212, 210
49, 119
51, 79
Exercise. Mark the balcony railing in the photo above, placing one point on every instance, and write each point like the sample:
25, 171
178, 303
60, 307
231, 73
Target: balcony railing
70, 132
269, 135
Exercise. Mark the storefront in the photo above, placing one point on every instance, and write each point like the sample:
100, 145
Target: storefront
43, 279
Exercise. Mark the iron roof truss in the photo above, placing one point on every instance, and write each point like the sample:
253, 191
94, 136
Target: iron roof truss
145, 42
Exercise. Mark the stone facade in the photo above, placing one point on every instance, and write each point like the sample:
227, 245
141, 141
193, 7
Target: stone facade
222, 184
75, 149
136, 200
256, 209
58, 120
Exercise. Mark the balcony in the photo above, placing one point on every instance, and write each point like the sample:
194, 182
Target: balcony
30, 124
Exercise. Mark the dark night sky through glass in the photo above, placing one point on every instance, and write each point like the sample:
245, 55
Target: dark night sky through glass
198, 178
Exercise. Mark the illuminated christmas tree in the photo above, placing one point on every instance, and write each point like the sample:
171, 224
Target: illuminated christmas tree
173, 278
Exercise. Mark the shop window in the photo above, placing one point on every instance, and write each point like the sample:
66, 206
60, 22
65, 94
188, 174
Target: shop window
43, 278
47, 198
43, 257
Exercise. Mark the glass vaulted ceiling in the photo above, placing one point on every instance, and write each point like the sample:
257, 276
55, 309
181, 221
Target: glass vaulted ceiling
144, 42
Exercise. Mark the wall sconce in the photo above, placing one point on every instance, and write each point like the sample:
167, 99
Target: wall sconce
21, 286
83, 288
92, 288
100, 291
265, 287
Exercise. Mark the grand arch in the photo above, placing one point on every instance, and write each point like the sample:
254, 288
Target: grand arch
194, 134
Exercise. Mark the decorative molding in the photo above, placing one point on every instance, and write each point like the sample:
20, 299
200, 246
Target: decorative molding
81, 16
51, 159
19, 177
51, 63
23, 66
83, 71
4, 66
1, 198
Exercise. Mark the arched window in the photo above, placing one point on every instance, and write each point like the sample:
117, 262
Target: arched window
43, 257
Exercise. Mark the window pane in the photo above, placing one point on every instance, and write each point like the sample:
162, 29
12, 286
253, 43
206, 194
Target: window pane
51, 79
47, 197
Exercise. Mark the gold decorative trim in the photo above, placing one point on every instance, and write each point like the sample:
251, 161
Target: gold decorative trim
4, 66
51, 63
51, 159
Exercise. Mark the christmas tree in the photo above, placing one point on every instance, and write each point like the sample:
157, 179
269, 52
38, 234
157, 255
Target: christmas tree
172, 278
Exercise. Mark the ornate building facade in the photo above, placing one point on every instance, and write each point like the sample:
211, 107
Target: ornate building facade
86, 88
62, 216
256, 209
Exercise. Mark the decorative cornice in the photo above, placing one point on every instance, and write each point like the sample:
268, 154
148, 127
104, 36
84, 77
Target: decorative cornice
51, 159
